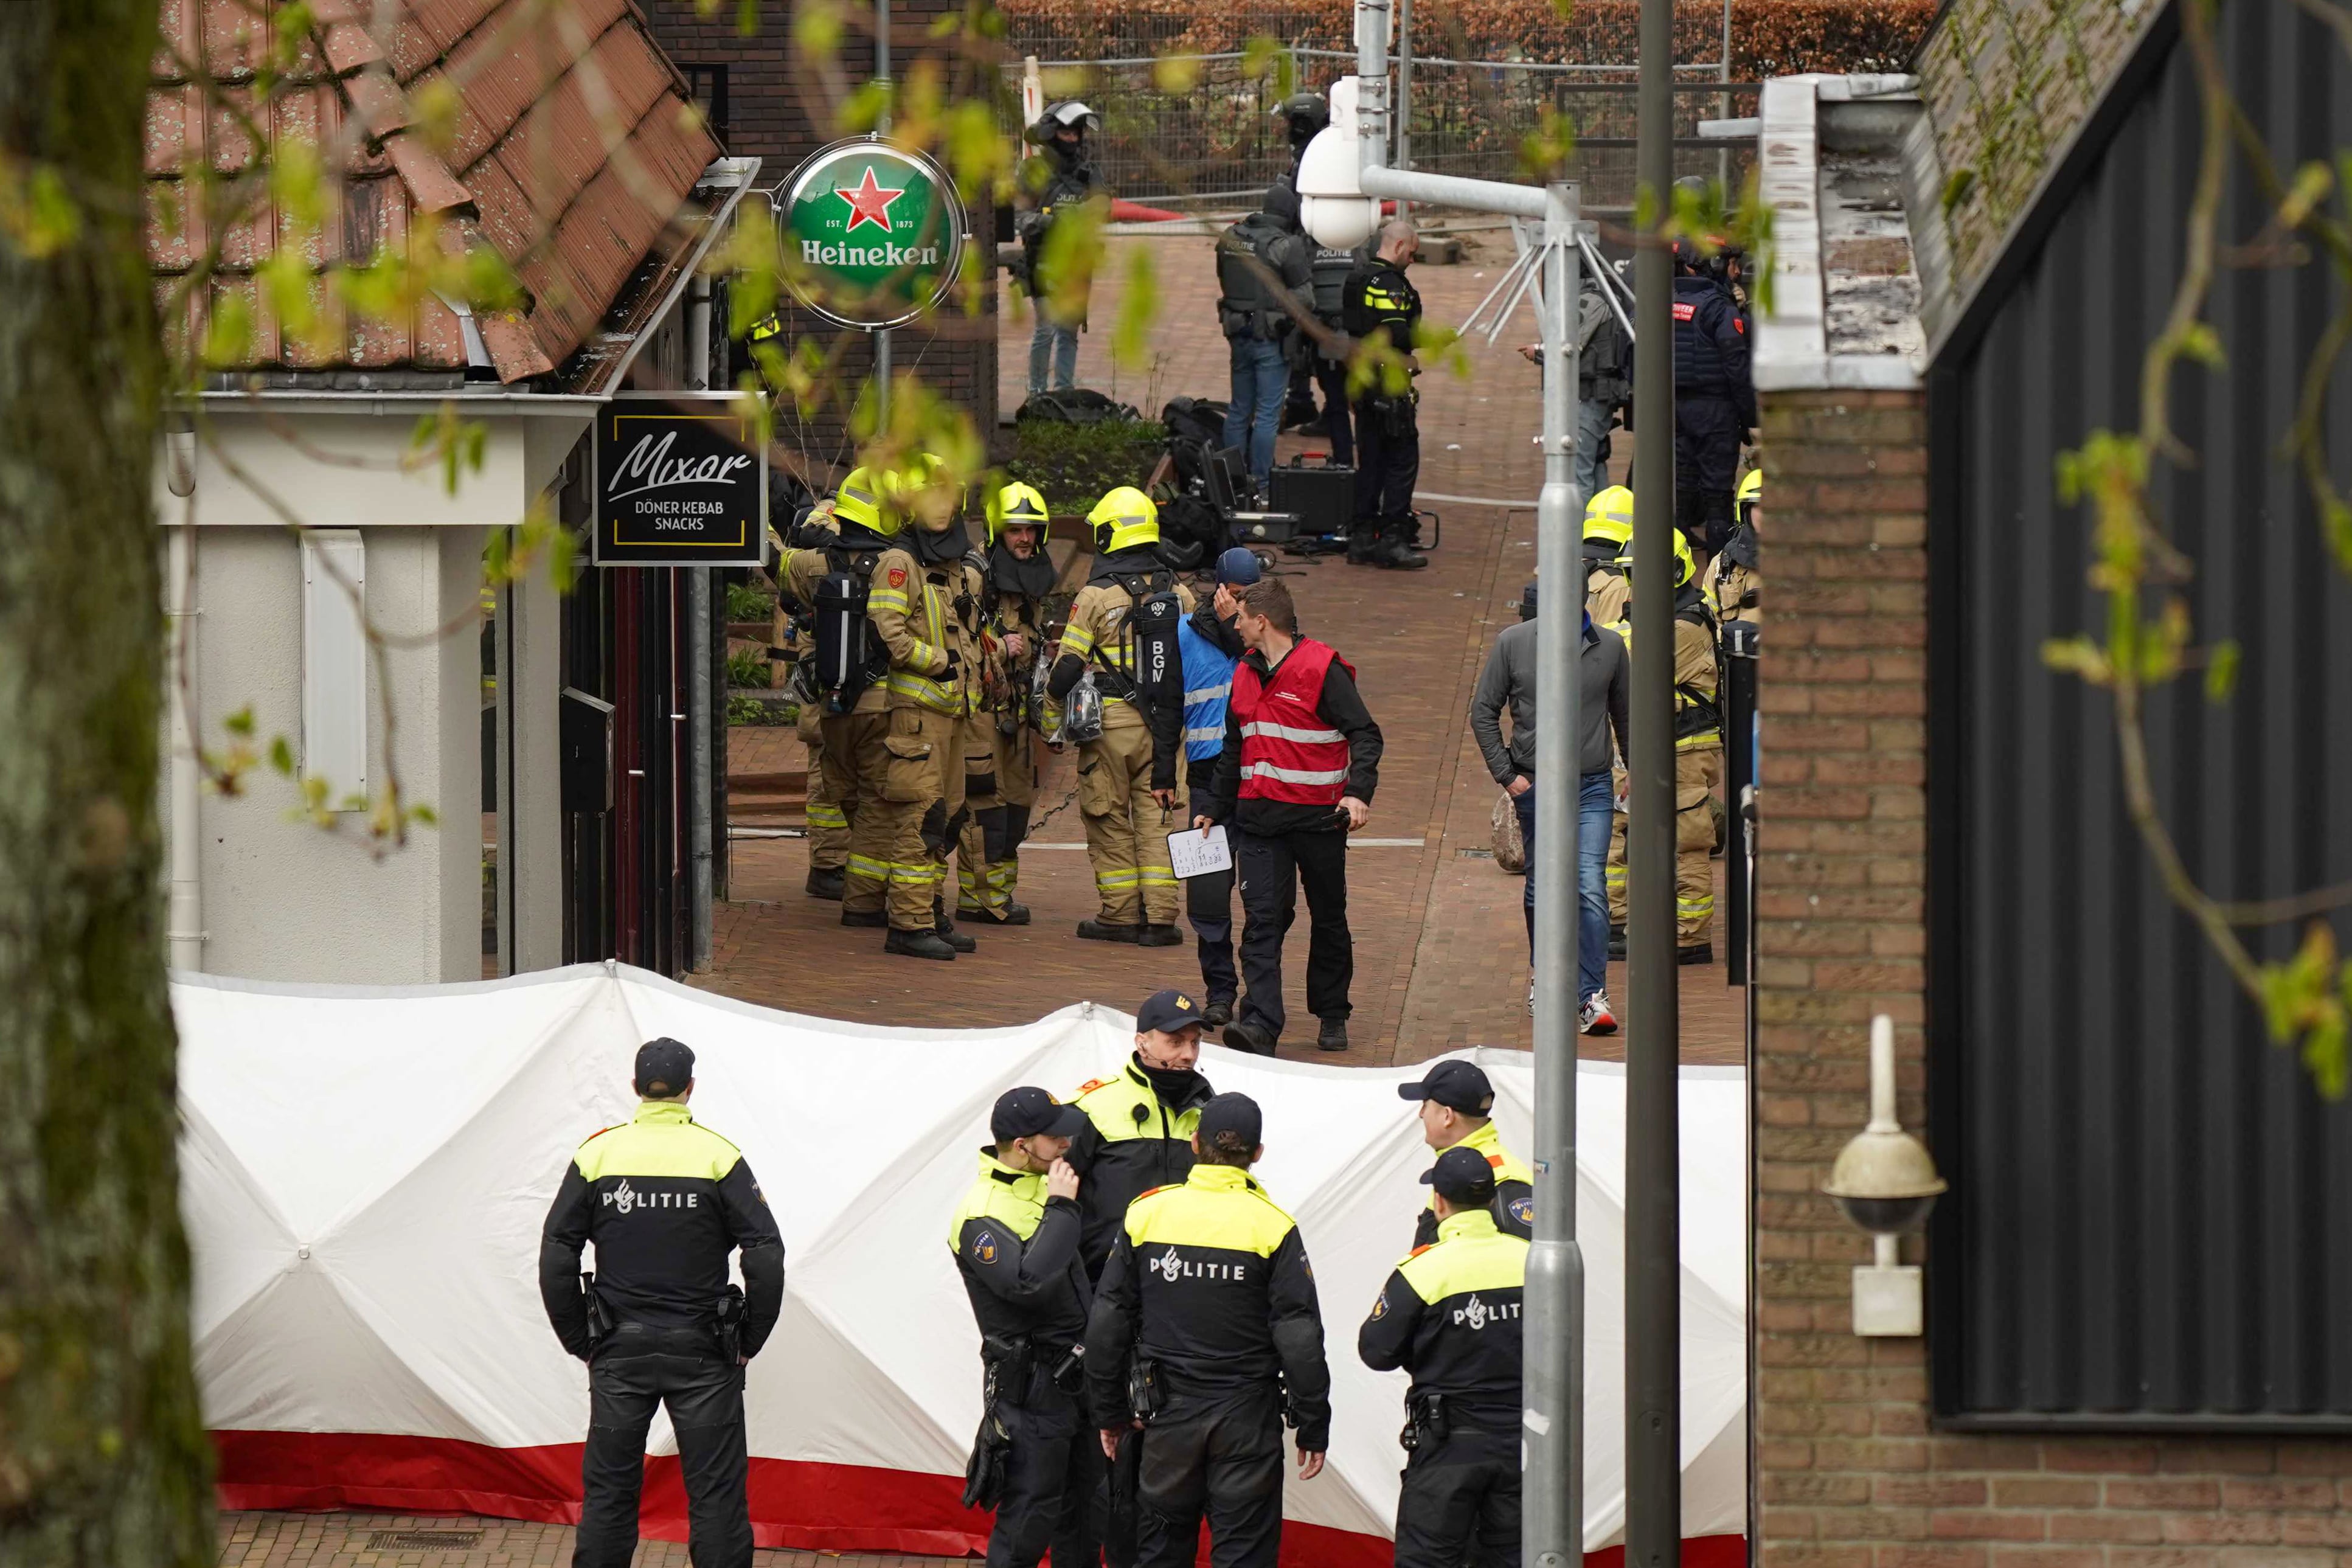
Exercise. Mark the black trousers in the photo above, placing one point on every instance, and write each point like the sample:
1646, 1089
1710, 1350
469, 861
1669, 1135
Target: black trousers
635, 1370
1272, 869
1221, 1459
1706, 465
1461, 1503
1339, 419
1050, 1477
1209, 905
1388, 461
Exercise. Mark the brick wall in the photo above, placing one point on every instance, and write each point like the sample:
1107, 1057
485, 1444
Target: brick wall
1851, 1474
776, 111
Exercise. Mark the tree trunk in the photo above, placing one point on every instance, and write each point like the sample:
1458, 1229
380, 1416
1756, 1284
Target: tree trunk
103, 1453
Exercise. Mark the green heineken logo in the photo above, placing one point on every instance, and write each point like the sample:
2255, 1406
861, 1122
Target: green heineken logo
871, 235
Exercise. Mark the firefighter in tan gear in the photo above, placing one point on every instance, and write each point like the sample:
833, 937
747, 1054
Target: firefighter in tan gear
925, 607
1698, 768
1122, 638
850, 704
1018, 577
1733, 585
1609, 596
789, 639
1608, 539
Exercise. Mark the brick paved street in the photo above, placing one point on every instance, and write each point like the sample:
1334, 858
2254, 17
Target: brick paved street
1440, 948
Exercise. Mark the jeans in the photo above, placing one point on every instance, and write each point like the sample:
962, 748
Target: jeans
1339, 421
1595, 800
1593, 421
1051, 341
1261, 381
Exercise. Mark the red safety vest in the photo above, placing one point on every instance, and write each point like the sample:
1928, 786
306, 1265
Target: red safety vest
1289, 751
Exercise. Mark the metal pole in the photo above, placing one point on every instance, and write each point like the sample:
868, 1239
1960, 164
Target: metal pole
1404, 84
1723, 103
1653, 1221
882, 338
1553, 1536
1740, 650
697, 744
1553, 1484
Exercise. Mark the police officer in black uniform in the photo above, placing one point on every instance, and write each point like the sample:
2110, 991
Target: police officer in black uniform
1378, 299
1450, 1315
1206, 1330
1140, 1122
664, 1200
1715, 400
1015, 1237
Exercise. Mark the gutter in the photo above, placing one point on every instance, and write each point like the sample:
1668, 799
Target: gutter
1792, 352
733, 176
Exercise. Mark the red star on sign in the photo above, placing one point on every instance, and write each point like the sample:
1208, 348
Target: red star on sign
869, 203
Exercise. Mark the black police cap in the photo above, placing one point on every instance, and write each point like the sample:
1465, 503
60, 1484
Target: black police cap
1168, 1011
664, 1067
1461, 1176
1235, 1113
1029, 1111
1458, 1085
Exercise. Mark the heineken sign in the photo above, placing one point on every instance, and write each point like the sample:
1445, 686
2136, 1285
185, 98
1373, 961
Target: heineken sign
871, 235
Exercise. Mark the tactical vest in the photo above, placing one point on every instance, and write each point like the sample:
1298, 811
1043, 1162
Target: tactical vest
1329, 272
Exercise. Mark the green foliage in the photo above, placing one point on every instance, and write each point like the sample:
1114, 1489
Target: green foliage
749, 602
1075, 464
747, 667
752, 711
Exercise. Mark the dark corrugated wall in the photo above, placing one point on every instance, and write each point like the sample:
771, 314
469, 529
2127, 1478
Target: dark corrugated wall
2150, 1222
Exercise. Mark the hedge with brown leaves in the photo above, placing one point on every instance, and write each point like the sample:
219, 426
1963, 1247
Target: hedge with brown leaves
1770, 37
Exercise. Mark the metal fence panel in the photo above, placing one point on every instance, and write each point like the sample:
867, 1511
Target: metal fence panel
2150, 1221
1198, 128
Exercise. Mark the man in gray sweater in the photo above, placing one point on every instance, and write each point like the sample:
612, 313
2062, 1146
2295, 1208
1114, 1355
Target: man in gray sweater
1510, 680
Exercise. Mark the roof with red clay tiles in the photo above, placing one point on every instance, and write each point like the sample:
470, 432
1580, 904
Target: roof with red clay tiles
572, 150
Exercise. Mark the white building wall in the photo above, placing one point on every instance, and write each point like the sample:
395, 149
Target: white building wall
283, 898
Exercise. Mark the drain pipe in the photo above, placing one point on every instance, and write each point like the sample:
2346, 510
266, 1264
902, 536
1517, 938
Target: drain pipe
185, 914
1553, 1418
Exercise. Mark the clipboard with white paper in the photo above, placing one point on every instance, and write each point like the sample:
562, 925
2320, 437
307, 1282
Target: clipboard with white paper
1196, 854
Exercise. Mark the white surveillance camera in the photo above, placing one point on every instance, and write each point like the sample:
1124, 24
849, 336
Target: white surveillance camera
1885, 1182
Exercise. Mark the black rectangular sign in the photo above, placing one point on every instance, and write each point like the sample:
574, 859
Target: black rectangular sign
682, 480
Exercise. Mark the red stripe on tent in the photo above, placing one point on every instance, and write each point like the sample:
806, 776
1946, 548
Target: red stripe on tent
795, 1504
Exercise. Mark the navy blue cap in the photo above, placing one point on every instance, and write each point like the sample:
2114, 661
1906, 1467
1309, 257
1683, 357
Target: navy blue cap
1235, 1113
1458, 1085
664, 1067
1028, 1112
1237, 567
1462, 1175
1168, 1011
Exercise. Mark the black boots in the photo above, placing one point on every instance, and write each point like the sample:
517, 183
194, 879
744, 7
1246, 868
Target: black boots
1217, 1014
1098, 931
825, 884
1388, 545
1333, 1035
1159, 936
916, 944
944, 929
1395, 551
